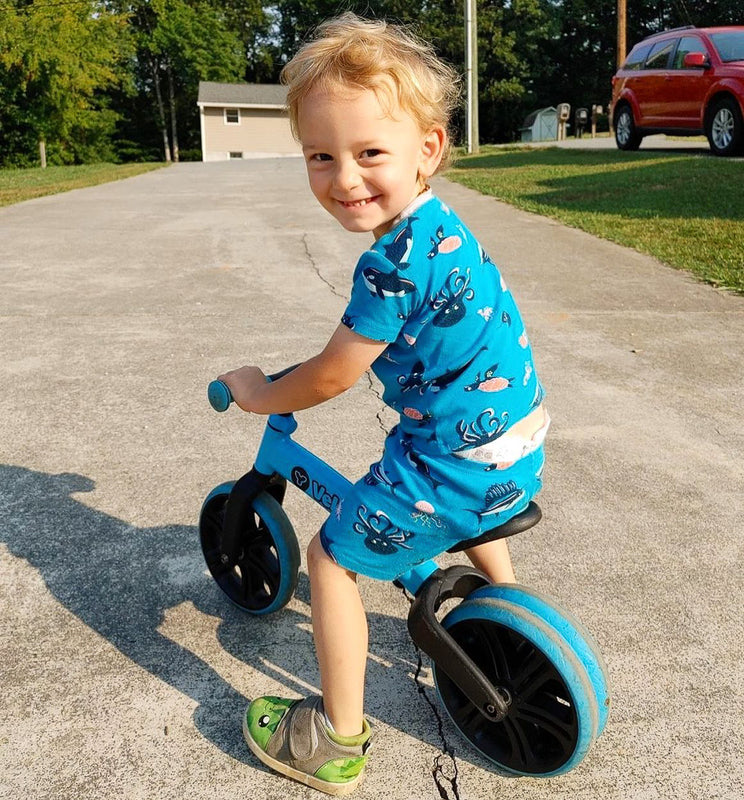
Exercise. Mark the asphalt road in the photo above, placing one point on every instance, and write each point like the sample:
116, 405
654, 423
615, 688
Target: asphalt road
124, 672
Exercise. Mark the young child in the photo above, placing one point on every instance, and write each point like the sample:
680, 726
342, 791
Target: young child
431, 315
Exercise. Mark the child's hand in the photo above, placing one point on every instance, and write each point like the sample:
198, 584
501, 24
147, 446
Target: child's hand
244, 383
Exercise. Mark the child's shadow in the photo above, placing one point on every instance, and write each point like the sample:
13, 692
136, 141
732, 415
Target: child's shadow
118, 579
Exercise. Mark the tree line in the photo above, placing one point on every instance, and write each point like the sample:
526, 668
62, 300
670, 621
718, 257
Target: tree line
117, 80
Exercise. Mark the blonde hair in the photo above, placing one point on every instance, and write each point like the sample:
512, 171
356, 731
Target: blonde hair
372, 54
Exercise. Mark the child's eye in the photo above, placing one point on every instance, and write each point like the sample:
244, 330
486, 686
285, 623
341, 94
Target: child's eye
321, 157
371, 153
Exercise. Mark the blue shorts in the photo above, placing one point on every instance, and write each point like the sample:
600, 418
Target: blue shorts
412, 506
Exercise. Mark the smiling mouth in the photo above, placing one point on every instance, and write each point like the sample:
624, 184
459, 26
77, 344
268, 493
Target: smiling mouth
357, 203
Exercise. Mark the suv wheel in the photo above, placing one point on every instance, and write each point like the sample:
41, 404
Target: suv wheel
725, 130
626, 135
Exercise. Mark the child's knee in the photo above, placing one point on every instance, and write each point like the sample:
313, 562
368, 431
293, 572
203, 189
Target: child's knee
319, 561
316, 554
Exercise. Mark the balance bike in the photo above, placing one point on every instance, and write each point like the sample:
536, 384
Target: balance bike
520, 677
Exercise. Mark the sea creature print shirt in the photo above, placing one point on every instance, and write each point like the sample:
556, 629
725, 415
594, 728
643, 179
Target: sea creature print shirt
459, 368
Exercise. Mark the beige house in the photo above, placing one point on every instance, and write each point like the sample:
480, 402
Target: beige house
244, 120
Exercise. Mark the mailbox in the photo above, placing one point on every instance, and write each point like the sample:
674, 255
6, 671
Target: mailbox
564, 114
580, 120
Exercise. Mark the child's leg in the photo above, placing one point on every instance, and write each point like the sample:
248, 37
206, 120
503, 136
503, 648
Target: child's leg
340, 632
493, 558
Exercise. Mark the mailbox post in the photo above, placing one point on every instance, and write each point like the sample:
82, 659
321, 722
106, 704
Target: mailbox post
564, 114
596, 111
581, 118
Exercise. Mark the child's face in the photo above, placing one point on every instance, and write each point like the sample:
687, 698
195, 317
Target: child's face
364, 166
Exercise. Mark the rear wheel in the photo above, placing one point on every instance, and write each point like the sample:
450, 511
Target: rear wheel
548, 671
568, 626
725, 130
626, 133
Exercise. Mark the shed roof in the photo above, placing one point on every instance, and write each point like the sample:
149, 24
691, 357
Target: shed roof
241, 94
529, 120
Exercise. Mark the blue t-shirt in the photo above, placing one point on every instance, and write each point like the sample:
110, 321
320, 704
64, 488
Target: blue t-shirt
459, 367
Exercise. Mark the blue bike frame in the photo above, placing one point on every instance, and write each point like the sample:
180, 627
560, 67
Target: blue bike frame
279, 454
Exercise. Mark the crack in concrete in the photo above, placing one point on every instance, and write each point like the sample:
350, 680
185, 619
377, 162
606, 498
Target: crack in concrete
444, 782
317, 271
333, 289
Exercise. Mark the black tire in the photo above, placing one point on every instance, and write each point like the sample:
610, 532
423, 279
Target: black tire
725, 129
546, 671
265, 577
626, 133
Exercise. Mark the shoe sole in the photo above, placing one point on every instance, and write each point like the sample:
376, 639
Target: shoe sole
337, 789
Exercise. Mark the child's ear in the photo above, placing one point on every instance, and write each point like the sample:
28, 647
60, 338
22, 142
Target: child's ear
432, 150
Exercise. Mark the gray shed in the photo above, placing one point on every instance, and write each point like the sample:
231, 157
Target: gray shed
540, 126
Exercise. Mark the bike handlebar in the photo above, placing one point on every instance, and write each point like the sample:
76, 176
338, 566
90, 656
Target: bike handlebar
220, 396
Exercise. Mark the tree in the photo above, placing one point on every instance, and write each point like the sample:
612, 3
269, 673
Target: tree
179, 43
513, 56
252, 22
56, 64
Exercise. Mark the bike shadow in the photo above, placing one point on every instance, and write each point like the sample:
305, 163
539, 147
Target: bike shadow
122, 580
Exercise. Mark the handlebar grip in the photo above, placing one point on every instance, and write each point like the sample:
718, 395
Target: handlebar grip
219, 396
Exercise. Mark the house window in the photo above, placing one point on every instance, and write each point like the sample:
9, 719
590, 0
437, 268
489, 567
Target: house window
232, 116
236, 154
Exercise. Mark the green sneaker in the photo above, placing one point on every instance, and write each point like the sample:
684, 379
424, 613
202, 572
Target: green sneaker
291, 737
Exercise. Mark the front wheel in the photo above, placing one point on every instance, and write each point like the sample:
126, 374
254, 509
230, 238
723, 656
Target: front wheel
546, 667
626, 133
725, 130
265, 576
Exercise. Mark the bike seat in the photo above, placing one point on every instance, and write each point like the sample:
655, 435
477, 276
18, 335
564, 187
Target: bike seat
517, 524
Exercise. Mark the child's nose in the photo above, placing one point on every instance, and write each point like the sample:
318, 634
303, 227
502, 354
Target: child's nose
347, 176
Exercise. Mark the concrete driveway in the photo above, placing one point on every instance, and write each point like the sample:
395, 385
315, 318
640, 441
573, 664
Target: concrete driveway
124, 672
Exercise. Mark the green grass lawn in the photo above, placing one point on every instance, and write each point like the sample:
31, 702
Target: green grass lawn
24, 184
686, 210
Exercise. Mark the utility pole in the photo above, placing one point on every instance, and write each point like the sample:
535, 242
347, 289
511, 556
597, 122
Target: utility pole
622, 15
471, 71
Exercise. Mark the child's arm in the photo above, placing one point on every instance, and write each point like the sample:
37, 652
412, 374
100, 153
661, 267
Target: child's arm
345, 358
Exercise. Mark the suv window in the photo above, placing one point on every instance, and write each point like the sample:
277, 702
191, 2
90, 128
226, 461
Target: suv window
637, 57
730, 45
659, 55
687, 44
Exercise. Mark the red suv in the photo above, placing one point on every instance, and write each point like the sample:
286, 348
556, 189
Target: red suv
684, 82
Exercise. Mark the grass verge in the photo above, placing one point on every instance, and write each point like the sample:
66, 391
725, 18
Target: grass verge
686, 210
17, 185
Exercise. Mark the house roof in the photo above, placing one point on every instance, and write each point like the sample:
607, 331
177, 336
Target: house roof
242, 95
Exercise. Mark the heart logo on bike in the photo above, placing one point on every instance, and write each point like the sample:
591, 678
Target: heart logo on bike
300, 478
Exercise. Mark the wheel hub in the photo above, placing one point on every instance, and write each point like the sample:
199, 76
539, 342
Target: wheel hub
723, 127
623, 128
